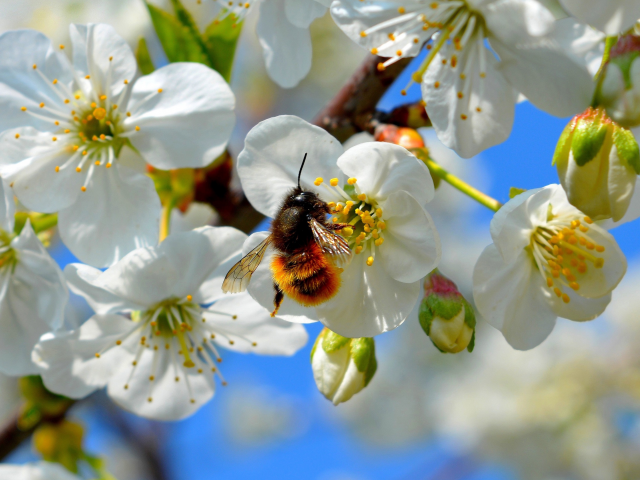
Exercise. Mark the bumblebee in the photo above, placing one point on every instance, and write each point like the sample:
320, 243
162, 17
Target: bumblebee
309, 254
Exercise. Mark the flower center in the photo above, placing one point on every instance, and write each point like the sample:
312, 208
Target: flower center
236, 10
8, 256
564, 252
90, 124
361, 213
180, 329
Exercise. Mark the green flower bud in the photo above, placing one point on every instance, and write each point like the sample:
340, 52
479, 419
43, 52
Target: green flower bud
597, 162
60, 443
620, 92
446, 316
342, 366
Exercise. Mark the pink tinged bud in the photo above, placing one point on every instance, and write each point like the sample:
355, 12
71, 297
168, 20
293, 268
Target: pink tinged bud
597, 162
446, 316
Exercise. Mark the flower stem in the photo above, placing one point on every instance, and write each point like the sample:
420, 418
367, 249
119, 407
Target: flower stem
464, 187
609, 43
165, 221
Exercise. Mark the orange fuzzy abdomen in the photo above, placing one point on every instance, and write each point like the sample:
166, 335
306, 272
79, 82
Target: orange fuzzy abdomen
307, 277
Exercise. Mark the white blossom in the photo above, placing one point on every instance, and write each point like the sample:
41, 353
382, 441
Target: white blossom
470, 95
548, 260
379, 188
159, 321
66, 125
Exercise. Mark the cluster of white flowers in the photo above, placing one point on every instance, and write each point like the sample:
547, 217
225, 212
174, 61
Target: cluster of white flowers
77, 133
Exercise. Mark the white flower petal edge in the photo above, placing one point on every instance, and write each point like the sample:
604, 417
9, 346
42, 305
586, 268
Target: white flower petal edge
154, 340
33, 296
378, 188
548, 260
36, 471
70, 124
612, 17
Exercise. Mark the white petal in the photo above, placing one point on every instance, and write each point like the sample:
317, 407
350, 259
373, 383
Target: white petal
253, 324
36, 471
119, 212
21, 85
29, 162
302, 13
189, 124
86, 281
513, 224
269, 164
7, 207
170, 399
579, 309
458, 122
68, 362
411, 247
355, 16
509, 296
37, 273
93, 47
633, 211
546, 72
369, 301
286, 48
610, 16
515, 20
261, 287
382, 169
225, 250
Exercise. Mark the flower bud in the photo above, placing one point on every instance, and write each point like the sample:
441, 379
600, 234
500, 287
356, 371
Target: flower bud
60, 443
620, 92
597, 162
446, 316
342, 366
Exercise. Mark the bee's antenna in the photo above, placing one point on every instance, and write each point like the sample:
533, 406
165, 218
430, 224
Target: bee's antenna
300, 172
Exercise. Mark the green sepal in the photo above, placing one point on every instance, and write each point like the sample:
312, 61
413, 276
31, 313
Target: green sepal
220, 40
144, 59
515, 191
332, 342
563, 147
425, 316
588, 138
178, 41
445, 307
185, 18
472, 343
469, 315
363, 353
627, 147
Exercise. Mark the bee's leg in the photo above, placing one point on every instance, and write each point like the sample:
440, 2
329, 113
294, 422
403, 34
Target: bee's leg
277, 301
337, 226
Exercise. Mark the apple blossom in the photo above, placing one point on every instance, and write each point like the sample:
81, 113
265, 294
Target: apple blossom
548, 260
159, 320
379, 189
283, 31
66, 126
471, 96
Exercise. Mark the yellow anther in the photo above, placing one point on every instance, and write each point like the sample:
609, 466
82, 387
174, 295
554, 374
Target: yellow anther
590, 246
401, 10
367, 228
358, 250
363, 34
97, 163
574, 285
349, 204
137, 128
588, 220
549, 282
379, 241
189, 298
348, 231
358, 211
87, 77
557, 291
24, 109
370, 261
555, 273
84, 152
374, 233
78, 169
126, 82
378, 212
67, 130
554, 265
77, 97
362, 197
318, 181
584, 229
599, 248
334, 219
332, 204
352, 181
339, 207
42, 105
374, 51
334, 182
94, 104
97, 355
559, 258
108, 165
17, 135
103, 97
94, 138
159, 90
565, 298
83, 188
99, 113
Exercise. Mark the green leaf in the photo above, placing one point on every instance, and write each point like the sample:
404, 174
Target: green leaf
221, 40
178, 40
144, 59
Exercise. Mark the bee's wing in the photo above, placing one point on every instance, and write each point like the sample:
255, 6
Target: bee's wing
239, 276
333, 245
